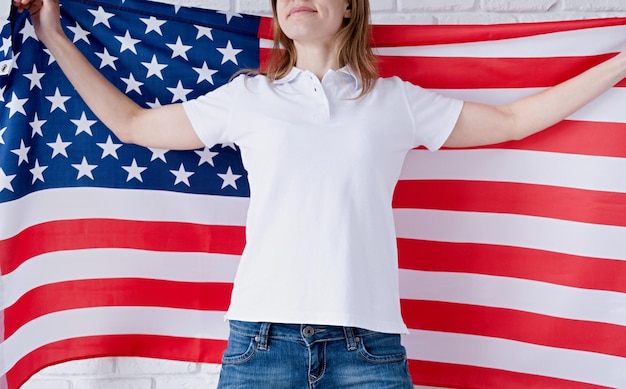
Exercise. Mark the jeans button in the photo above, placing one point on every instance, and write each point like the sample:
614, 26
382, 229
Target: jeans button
308, 331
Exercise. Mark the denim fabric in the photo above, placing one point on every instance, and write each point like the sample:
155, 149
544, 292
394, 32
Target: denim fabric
294, 356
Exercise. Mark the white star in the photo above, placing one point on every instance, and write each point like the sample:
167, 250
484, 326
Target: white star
153, 24
109, 148
107, 59
180, 93
132, 84
83, 124
204, 31
2, 89
2, 131
58, 147
16, 105
15, 57
206, 156
158, 154
204, 73
101, 16
154, 68
6, 46
79, 33
58, 101
5, 181
28, 31
37, 172
84, 169
35, 78
229, 54
134, 171
128, 43
36, 125
51, 59
230, 15
155, 104
231, 145
178, 49
229, 178
181, 175
22, 153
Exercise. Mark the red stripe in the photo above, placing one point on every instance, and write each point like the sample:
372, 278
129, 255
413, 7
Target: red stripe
106, 233
515, 262
420, 35
67, 295
149, 346
266, 31
575, 137
451, 72
515, 325
447, 375
586, 206
264, 56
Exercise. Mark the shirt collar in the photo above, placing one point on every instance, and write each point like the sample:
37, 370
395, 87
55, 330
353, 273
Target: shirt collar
346, 72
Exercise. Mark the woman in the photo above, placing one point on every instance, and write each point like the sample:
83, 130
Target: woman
316, 302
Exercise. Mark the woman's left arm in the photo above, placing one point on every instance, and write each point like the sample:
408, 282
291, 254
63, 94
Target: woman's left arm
481, 124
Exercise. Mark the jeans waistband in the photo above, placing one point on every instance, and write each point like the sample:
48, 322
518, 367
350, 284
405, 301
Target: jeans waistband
309, 333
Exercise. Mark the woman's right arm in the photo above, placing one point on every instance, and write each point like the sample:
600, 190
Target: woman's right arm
166, 127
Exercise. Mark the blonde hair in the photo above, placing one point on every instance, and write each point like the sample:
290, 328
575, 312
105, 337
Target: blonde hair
353, 45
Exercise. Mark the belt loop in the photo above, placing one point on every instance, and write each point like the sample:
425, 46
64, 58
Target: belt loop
351, 339
263, 338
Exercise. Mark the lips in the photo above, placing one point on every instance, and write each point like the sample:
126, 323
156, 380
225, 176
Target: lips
301, 10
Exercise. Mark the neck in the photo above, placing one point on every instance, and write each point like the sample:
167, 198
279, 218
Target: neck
317, 59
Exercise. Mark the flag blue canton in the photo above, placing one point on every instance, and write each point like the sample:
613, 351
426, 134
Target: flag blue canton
50, 139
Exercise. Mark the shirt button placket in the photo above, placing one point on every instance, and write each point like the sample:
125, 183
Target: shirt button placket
318, 91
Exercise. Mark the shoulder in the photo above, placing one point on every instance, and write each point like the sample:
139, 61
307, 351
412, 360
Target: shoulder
251, 82
387, 86
395, 82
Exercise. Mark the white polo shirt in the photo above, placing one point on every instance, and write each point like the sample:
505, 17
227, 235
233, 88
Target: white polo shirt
322, 167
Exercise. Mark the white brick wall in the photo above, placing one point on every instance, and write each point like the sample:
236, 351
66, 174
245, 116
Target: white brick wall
142, 373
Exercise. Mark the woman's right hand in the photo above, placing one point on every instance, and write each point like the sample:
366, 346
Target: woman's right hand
44, 14
130, 122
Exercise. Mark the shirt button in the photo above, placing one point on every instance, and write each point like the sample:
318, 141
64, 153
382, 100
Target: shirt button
308, 331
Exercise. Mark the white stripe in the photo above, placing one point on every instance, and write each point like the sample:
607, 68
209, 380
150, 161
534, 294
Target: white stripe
266, 43
609, 107
509, 355
518, 166
590, 240
587, 42
115, 263
512, 293
76, 323
82, 203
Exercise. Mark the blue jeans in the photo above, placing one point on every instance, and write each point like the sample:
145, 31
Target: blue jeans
294, 356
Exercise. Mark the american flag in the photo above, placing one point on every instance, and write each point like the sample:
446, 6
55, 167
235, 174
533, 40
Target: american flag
512, 257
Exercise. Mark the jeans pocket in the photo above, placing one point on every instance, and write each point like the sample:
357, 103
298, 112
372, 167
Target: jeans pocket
382, 348
241, 348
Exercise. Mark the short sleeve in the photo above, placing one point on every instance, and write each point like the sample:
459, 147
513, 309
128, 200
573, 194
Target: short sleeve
434, 116
210, 114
